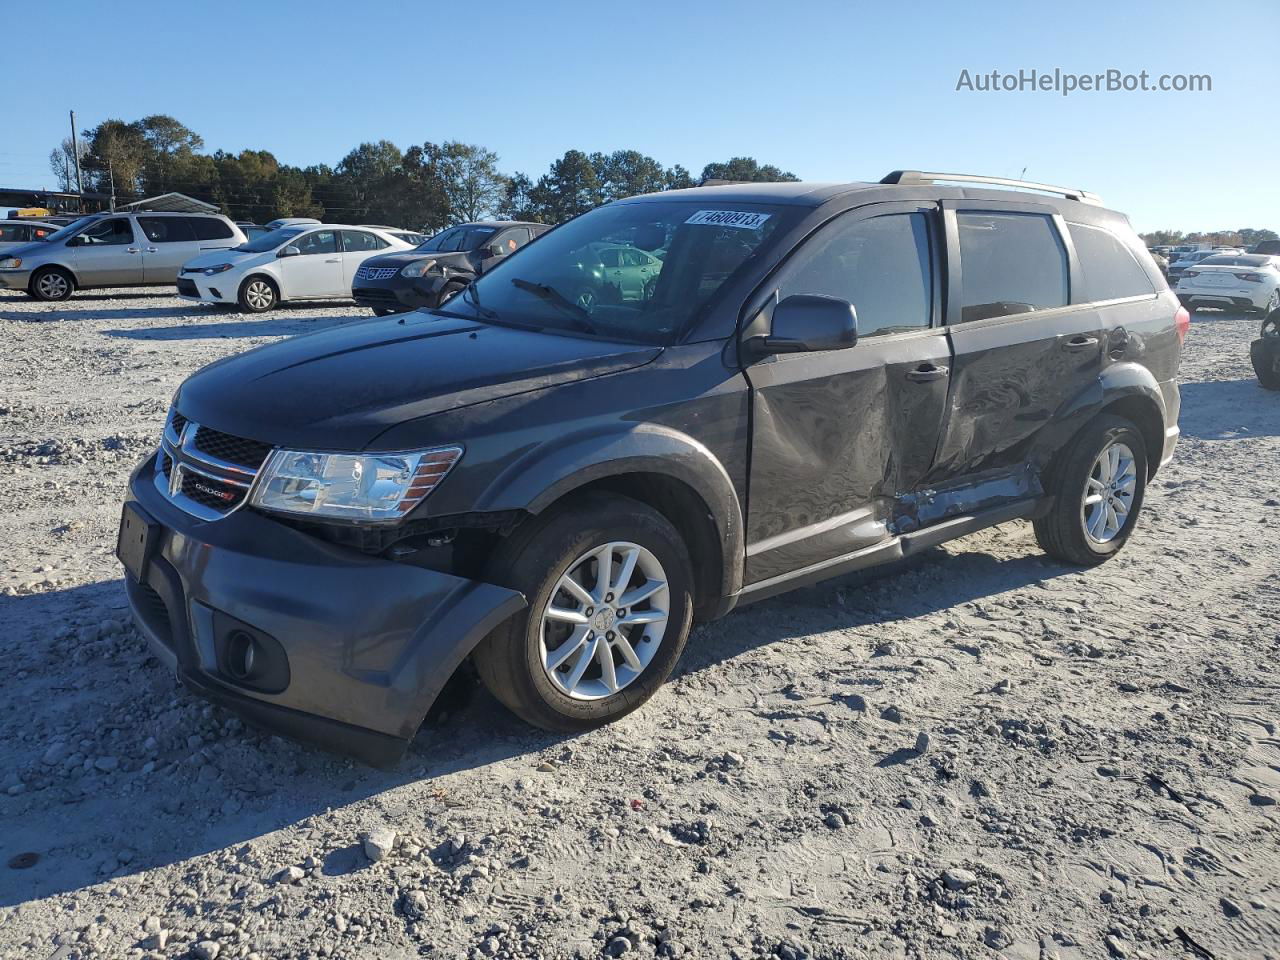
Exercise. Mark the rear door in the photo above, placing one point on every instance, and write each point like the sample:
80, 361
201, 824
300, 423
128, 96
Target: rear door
317, 270
840, 437
171, 242
107, 254
357, 247
1021, 350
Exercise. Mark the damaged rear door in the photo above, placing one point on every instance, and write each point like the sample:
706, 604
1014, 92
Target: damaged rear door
839, 436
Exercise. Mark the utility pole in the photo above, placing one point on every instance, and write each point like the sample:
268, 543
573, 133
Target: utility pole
75, 152
112, 175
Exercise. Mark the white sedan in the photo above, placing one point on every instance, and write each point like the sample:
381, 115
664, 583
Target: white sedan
1248, 281
296, 262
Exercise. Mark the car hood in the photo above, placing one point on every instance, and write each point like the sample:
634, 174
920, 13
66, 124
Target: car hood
404, 257
26, 248
340, 389
214, 257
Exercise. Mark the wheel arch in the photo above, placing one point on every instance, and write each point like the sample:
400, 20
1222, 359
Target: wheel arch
261, 274
60, 266
1126, 390
663, 468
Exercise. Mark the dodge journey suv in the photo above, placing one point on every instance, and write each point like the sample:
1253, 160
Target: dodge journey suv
821, 377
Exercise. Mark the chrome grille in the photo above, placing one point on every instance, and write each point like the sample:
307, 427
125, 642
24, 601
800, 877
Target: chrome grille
204, 471
375, 273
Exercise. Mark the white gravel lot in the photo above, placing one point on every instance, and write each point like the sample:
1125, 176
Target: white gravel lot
1100, 775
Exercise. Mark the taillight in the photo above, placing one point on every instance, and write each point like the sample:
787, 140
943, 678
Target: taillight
1251, 277
1182, 323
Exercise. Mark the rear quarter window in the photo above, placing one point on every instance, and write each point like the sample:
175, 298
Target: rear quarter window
1010, 263
1109, 271
211, 228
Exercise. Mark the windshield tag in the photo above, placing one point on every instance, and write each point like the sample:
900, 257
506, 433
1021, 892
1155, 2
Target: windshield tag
729, 218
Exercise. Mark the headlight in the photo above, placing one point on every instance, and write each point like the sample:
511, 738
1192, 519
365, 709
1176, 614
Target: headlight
419, 269
11, 263
347, 486
216, 268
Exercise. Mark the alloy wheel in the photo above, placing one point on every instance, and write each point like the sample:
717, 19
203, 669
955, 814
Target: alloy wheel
1109, 492
52, 286
604, 621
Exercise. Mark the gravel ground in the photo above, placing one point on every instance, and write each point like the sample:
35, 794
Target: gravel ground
987, 754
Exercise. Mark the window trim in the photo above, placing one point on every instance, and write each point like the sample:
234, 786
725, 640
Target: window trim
955, 265
757, 313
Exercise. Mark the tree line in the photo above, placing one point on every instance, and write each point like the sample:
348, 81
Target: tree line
1244, 237
427, 186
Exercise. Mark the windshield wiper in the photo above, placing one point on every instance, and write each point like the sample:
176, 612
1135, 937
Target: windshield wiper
556, 298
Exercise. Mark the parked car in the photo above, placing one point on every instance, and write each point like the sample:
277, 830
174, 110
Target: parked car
114, 250
15, 233
437, 269
1245, 282
253, 231
1268, 247
1162, 263
334, 522
291, 222
1186, 261
1265, 352
412, 237
299, 262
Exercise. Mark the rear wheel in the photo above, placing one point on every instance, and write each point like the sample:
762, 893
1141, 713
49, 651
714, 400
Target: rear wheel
257, 295
52, 284
1102, 479
609, 584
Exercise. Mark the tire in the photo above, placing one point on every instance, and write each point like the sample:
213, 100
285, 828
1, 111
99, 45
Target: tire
52, 285
514, 662
1264, 353
1063, 533
258, 295
448, 291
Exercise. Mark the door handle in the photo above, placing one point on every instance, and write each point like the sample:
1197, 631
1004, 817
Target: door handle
1079, 343
927, 372
334, 260
133, 250
153, 249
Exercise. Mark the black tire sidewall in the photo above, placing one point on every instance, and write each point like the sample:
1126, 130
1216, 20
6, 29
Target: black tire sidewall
1105, 432
539, 563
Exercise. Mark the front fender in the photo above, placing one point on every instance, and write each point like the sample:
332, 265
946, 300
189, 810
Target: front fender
551, 471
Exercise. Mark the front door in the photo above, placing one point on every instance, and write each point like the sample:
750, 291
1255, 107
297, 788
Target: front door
106, 254
1021, 351
317, 271
839, 437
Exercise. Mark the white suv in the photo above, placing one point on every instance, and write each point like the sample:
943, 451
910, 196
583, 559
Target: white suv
300, 262
114, 250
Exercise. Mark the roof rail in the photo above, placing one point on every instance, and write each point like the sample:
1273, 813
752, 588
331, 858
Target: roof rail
920, 176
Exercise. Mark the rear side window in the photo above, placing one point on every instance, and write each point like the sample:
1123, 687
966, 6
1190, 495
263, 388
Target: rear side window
882, 266
12, 232
1108, 269
358, 241
1010, 263
167, 229
211, 228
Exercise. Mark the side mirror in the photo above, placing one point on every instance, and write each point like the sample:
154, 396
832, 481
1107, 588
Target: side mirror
288, 251
805, 323
488, 253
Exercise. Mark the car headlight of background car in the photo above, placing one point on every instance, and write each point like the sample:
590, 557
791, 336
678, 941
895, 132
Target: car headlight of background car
419, 269
11, 263
348, 486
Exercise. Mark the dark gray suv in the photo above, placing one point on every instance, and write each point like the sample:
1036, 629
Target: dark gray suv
820, 378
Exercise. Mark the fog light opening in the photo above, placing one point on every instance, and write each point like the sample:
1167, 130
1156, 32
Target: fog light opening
241, 654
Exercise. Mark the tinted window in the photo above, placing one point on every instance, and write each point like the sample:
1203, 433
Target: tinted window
1010, 263
319, 241
40, 233
882, 266
513, 240
12, 232
211, 228
476, 237
106, 232
1109, 270
358, 241
610, 258
445, 240
166, 229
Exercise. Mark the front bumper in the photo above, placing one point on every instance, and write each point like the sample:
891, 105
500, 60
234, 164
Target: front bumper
369, 643
399, 293
204, 289
15, 279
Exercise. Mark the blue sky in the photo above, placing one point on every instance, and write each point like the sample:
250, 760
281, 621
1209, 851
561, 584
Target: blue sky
830, 90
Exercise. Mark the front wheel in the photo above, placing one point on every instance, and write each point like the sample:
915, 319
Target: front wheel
52, 284
257, 295
1102, 479
609, 584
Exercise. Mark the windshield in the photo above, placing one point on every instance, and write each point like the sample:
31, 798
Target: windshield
269, 241
458, 238
628, 271
72, 227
